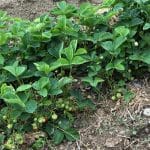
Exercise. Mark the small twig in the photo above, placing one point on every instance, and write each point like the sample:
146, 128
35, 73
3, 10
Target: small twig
126, 137
130, 145
88, 128
130, 115
83, 144
78, 146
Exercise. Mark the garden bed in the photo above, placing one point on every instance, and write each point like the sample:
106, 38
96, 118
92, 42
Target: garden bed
30, 9
114, 125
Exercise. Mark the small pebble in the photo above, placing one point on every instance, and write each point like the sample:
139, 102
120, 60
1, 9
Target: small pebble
146, 112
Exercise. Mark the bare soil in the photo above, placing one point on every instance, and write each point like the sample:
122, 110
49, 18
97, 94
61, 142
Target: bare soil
115, 125
29, 9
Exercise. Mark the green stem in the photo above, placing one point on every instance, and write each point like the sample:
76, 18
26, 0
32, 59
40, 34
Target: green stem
70, 73
18, 80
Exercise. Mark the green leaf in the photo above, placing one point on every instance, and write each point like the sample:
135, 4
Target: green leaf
108, 45
86, 103
15, 69
81, 102
61, 23
108, 3
49, 129
101, 36
58, 136
40, 86
64, 123
43, 92
143, 56
128, 96
9, 95
122, 31
141, 1
42, 66
55, 91
4, 37
93, 81
119, 41
71, 134
55, 47
12, 98
63, 61
77, 94
2, 137
118, 65
16, 112
7, 89
55, 65
94, 69
96, 81
64, 9
73, 44
31, 106
136, 21
146, 26
80, 51
23, 87
77, 60
62, 5
64, 80
47, 34
109, 66
1, 60
69, 53
41, 83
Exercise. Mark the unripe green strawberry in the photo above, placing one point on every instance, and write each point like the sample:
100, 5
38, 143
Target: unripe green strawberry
62, 105
10, 141
19, 138
119, 90
101, 57
4, 117
14, 121
9, 146
41, 120
67, 107
118, 95
70, 109
129, 70
54, 116
113, 97
35, 119
9, 126
34, 126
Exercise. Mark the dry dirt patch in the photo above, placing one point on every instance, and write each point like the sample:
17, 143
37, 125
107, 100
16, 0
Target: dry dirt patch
29, 9
115, 125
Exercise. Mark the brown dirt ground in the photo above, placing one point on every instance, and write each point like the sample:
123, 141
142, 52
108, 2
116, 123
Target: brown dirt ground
30, 9
114, 125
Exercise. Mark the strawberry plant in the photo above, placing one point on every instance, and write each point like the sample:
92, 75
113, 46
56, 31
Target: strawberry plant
41, 60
